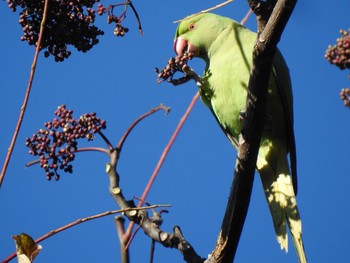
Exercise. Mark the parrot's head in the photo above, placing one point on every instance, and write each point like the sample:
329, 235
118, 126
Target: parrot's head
196, 34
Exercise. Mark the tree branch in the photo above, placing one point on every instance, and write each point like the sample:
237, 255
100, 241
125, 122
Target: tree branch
132, 126
80, 221
165, 153
249, 140
149, 224
26, 97
119, 223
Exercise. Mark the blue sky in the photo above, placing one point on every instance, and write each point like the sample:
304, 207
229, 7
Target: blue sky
117, 80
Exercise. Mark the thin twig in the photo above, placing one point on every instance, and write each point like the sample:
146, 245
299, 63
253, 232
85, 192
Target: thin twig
206, 10
126, 4
137, 17
85, 149
83, 220
153, 245
162, 158
110, 146
132, 126
26, 97
132, 237
245, 18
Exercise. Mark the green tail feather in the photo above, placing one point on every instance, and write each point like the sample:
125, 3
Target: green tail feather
280, 196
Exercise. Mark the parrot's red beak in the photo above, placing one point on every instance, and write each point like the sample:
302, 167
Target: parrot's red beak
182, 45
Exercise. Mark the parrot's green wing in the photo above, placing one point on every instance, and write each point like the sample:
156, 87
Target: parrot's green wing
226, 131
282, 80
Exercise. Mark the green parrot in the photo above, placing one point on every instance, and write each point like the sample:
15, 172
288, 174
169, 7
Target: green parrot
226, 47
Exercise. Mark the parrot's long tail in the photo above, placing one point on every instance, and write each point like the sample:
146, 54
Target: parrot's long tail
280, 196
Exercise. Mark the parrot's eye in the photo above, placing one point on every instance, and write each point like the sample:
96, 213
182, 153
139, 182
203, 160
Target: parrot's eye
191, 26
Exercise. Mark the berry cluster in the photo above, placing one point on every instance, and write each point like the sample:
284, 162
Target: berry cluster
55, 145
119, 30
345, 96
174, 65
68, 23
339, 54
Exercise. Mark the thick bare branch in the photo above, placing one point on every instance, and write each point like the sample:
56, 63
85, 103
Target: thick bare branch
270, 29
149, 224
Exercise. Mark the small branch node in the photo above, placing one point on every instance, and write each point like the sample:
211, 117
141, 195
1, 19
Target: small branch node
163, 236
116, 191
132, 213
108, 167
